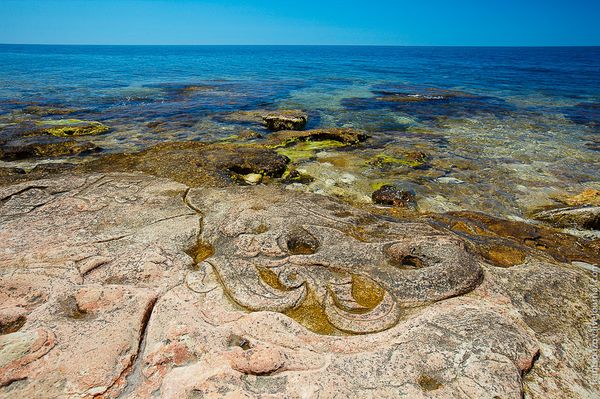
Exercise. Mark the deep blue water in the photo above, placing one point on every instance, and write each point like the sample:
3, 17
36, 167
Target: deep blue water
534, 112
68, 72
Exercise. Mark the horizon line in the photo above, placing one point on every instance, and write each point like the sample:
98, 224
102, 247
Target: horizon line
304, 45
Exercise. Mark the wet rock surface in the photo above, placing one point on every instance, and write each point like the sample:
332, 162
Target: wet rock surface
285, 120
345, 136
508, 242
583, 217
196, 164
272, 120
127, 285
393, 196
45, 149
48, 139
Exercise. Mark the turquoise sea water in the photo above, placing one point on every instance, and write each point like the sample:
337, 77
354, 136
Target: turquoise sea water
519, 125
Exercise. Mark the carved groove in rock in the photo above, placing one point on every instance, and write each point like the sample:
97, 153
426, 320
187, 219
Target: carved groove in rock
298, 258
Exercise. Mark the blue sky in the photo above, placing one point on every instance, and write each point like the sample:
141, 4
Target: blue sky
385, 22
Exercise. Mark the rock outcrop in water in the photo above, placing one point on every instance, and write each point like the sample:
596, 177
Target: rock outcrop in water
346, 136
124, 285
45, 149
286, 119
195, 163
48, 138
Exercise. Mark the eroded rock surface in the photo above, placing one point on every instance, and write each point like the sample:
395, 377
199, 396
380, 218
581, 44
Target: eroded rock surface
82, 262
125, 285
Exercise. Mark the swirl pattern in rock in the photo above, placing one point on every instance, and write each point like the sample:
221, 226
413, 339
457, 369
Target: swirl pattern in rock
292, 251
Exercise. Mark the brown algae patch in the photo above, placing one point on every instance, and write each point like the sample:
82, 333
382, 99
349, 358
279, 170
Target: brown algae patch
270, 277
310, 312
428, 383
200, 252
311, 315
366, 292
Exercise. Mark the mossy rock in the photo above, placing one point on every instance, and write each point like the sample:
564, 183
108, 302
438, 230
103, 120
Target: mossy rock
308, 149
295, 176
73, 127
412, 159
196, 164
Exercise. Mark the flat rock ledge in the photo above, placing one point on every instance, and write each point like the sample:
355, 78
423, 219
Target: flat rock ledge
131, 286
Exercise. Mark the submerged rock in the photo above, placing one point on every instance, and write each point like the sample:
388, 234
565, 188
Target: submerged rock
125, 285
412, 159
249, 134
73, 127
346, 136
272, 120
46, 110
582, 217
428, 103
55, 138
285, 120
61, 148
393, 196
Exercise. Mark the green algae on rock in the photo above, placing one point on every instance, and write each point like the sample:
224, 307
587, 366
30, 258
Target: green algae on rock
72, 127
307, 149
413, 159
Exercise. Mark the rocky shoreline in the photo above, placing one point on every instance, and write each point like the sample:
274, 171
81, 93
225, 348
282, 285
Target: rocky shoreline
261, 266
128, 285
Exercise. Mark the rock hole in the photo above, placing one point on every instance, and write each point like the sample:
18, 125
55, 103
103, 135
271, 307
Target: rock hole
200, 252
428, 383
70, 308
407, 262
301, 242
11, 325
236, 340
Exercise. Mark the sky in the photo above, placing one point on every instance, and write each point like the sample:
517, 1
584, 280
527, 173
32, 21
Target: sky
352, 22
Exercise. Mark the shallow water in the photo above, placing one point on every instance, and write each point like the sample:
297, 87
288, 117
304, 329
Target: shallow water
504, 129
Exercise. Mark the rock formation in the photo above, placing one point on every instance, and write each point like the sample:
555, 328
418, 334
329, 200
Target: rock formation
125, 285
